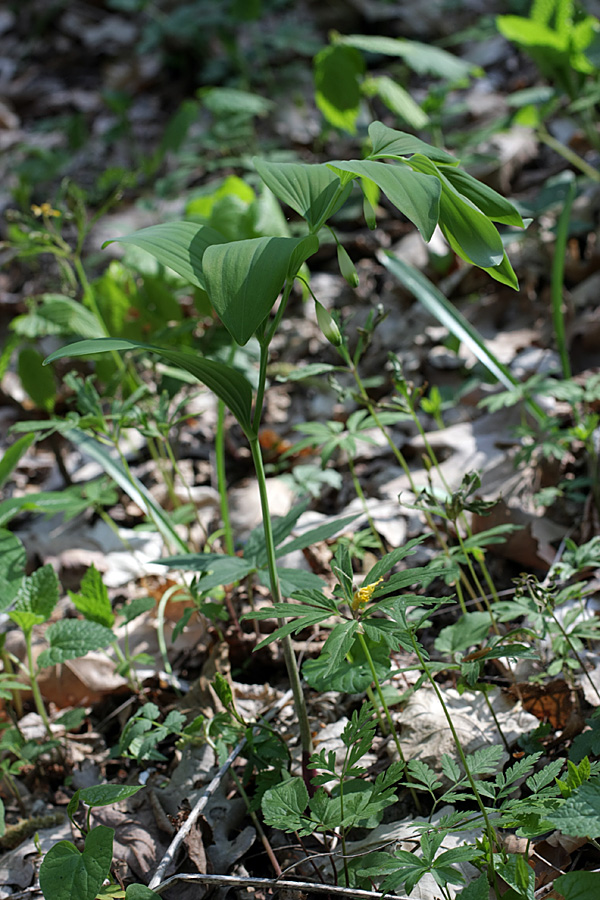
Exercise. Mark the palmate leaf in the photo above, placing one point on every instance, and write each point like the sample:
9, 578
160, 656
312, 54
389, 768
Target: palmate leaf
313, 191
416, 195
227, 383
178, 245
244, 278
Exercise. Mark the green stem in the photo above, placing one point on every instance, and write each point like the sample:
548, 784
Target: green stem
546, 138
491, 835
361, 496
557, 282
384, 705
35, 689
288, 651
222, 478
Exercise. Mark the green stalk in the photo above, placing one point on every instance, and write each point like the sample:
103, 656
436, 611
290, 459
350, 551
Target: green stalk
222, 478
491, 834
558, 270
35, 689
384, 705
288, 651
546, 138
361, 496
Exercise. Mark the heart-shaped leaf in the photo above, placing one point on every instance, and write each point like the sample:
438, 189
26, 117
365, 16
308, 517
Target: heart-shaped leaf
178, 245
66, 873
244, 278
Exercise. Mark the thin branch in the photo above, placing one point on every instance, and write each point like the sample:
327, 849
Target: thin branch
169, 857
275, 884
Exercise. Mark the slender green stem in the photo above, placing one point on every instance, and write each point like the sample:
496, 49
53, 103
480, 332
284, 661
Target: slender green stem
222, 478
288, 651
568, 154
361, 496
558, 271
384, 705
491, 835
35, 688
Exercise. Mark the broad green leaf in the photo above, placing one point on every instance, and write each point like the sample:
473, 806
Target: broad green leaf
283, 806
578, 885
140, 892
449, 316
178, 245
579, 816
66, 873
422, 58
468, 231
337, 72
398, 100
106, 794
36, 598
244, 278
13, 454
490, 202
417, 196
13, 560
92, 601
72, 638
313, 191
36, 381
387, 142
227, 383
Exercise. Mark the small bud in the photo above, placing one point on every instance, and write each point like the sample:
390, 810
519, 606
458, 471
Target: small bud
347, 267
369, 214
328, 325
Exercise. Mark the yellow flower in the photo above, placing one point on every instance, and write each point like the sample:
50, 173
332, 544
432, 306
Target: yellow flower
363, 595
44, 210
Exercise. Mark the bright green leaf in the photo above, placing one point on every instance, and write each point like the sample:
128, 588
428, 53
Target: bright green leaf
313, 191
66, 873
92, 601
244, 278
387, 142
283, 806
579, 816
422, 58
36, 598
72, 638
13, 560
579, 885
178, 245
337, 90
106, 794
416, 196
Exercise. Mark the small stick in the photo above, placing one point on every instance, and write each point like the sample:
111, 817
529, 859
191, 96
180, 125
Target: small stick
173, 847
275, 884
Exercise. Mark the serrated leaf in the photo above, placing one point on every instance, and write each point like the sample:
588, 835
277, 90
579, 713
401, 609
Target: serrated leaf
227, 383
416, 195
579, 816
36, 598
313, 191
178, 245
92, 601
387, 142
13, 559
66, 873
283, 806
72, 638
106, 794
244, 278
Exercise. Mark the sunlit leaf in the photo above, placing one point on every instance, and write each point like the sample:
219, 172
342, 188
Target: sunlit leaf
313, 191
